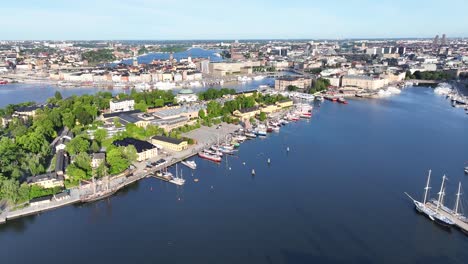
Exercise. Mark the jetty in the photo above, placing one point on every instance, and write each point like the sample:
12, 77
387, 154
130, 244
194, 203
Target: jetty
463, 226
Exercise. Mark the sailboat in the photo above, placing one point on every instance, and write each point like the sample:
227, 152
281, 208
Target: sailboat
421, 207
438, 217
176, 180
458, 206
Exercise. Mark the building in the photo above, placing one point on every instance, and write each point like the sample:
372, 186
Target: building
121, 105
168, 143
364, 82
145, 150
62, 196
186, 95
27, 110
285, 103
40, 200
247, 113
230, 68
61, 162
282, 83
48, 180
97, 159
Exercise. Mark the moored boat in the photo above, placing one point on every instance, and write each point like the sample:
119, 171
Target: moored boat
208, 156
342, 100
190, 163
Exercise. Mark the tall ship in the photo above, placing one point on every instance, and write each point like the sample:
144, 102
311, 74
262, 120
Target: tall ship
427, 209
421, 206
438, 217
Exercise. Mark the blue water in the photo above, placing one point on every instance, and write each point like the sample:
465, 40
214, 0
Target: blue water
193, 52
19, 93
336, 197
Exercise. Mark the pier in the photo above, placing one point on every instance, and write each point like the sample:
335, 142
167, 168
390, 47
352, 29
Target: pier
459, 223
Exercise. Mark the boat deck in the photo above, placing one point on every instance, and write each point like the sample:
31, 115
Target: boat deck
462, 225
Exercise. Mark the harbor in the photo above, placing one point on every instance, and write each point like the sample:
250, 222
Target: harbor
282, 195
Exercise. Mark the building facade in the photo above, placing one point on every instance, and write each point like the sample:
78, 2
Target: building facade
364, 82
121, 105
170, 143
281, 84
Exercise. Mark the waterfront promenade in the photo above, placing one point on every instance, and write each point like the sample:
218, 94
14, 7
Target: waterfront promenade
204, 136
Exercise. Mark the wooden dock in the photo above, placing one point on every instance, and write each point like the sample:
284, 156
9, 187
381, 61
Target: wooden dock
459, 223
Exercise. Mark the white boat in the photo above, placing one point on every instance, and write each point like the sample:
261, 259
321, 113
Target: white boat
213, 152
261, 130
244, 79
65, 84
190, 163
319, 98
443, 89
250, 135
384, 93
393, 90
176, 180
421, 206
240, 138
258, 78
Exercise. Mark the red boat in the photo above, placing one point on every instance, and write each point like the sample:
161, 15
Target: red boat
3, 82
211, 157
342, 100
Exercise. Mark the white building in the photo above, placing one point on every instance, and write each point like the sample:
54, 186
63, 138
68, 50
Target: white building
121, 105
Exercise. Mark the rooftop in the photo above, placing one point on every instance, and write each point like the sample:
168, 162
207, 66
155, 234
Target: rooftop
139, 145
168, 139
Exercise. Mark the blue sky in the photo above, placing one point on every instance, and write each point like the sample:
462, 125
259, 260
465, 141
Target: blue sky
234, 19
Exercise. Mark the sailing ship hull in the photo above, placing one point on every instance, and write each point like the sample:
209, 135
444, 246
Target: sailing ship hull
98, 197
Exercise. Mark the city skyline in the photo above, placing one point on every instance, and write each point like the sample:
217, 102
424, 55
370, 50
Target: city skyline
182, 20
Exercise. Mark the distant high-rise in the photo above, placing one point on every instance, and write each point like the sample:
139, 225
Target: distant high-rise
443, 42
436, 41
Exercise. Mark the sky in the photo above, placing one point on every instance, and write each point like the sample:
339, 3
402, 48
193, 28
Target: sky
233, 19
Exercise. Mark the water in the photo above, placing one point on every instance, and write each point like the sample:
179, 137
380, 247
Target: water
193, 52
19, 93
336, 197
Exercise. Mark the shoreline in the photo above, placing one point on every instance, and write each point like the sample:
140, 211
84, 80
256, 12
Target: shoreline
203, 141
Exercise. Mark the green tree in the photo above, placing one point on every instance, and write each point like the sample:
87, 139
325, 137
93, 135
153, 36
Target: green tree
201, 114
100, 135
95, 146
58, 95
83, 161
292, 88
117, 160
213, 109
141, 106
78, 144
69, 119
262, 116
76, 173
159, 103
9, 190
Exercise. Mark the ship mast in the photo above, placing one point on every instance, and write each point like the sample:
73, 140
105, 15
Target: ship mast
427, 187
441, 193
457, 204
